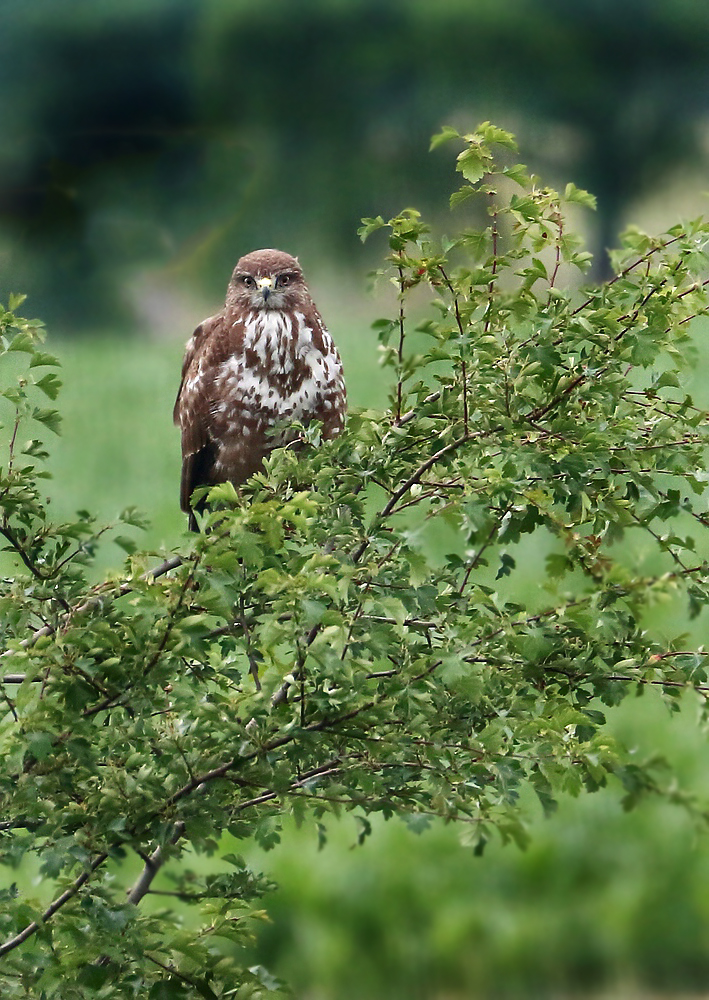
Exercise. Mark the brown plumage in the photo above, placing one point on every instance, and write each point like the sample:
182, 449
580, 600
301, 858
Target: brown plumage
266, 358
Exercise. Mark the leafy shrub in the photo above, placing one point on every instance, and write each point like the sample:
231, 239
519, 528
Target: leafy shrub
310, 652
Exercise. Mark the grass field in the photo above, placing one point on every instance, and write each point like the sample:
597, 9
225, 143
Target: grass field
601, 900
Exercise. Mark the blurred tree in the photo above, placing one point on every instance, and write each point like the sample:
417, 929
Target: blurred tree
171, 133
96, 112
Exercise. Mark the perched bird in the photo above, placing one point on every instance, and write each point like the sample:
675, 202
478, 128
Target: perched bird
266, 358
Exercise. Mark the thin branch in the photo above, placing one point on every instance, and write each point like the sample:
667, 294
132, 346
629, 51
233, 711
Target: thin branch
91, 603
406, 486
402, 335
11, 449
625, 272
153, 864
461, 331
493, 274
18, 549
410, 414
558, 218
542, 411
321, 772
68, 894
199, 986
478, 555
658, 538
275, 744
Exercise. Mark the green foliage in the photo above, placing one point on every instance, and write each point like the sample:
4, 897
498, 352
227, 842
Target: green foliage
307, 654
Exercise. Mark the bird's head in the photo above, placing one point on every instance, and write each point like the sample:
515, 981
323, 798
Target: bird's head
268, 279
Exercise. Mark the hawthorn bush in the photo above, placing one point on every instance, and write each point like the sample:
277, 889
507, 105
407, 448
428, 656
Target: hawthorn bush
311, 651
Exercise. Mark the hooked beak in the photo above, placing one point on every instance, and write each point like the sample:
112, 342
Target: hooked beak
265, 286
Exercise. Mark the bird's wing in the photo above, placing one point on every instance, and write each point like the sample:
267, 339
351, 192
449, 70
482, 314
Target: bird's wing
194, 348
331, 405
206, 349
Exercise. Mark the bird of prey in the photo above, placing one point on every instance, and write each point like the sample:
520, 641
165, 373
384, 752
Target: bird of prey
266, 358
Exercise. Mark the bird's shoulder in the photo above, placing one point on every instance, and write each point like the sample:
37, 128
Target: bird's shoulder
215, 339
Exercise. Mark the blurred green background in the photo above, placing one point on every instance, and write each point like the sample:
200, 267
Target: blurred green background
147, 144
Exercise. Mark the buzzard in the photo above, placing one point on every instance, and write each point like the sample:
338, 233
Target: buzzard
265, 359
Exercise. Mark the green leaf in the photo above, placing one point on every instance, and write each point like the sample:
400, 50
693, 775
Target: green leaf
518, 173
472, 164
50, 385
461, 195
40, 358
578, 196
445, 135
50, 418
494, 134
39, 745
22, 341
124, 542
370, 226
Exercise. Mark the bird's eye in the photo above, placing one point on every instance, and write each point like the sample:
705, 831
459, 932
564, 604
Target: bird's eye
247, 280
284, 279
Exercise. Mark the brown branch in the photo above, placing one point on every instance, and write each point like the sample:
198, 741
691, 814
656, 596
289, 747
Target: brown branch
68, 894
199, 986
11, 450
541, 411
658, 538
16, 547
461, 331
626, 271
318, 772
406, 486
90, 603
402, 334
410, 414
280, 741
153, 864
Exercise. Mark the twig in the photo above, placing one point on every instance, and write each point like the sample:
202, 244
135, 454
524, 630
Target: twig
68, 894
402, 334
153, 864
88, 605
478, 555
406, 486
410, 414
463, 345
493, 273
558, 218
626, 271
